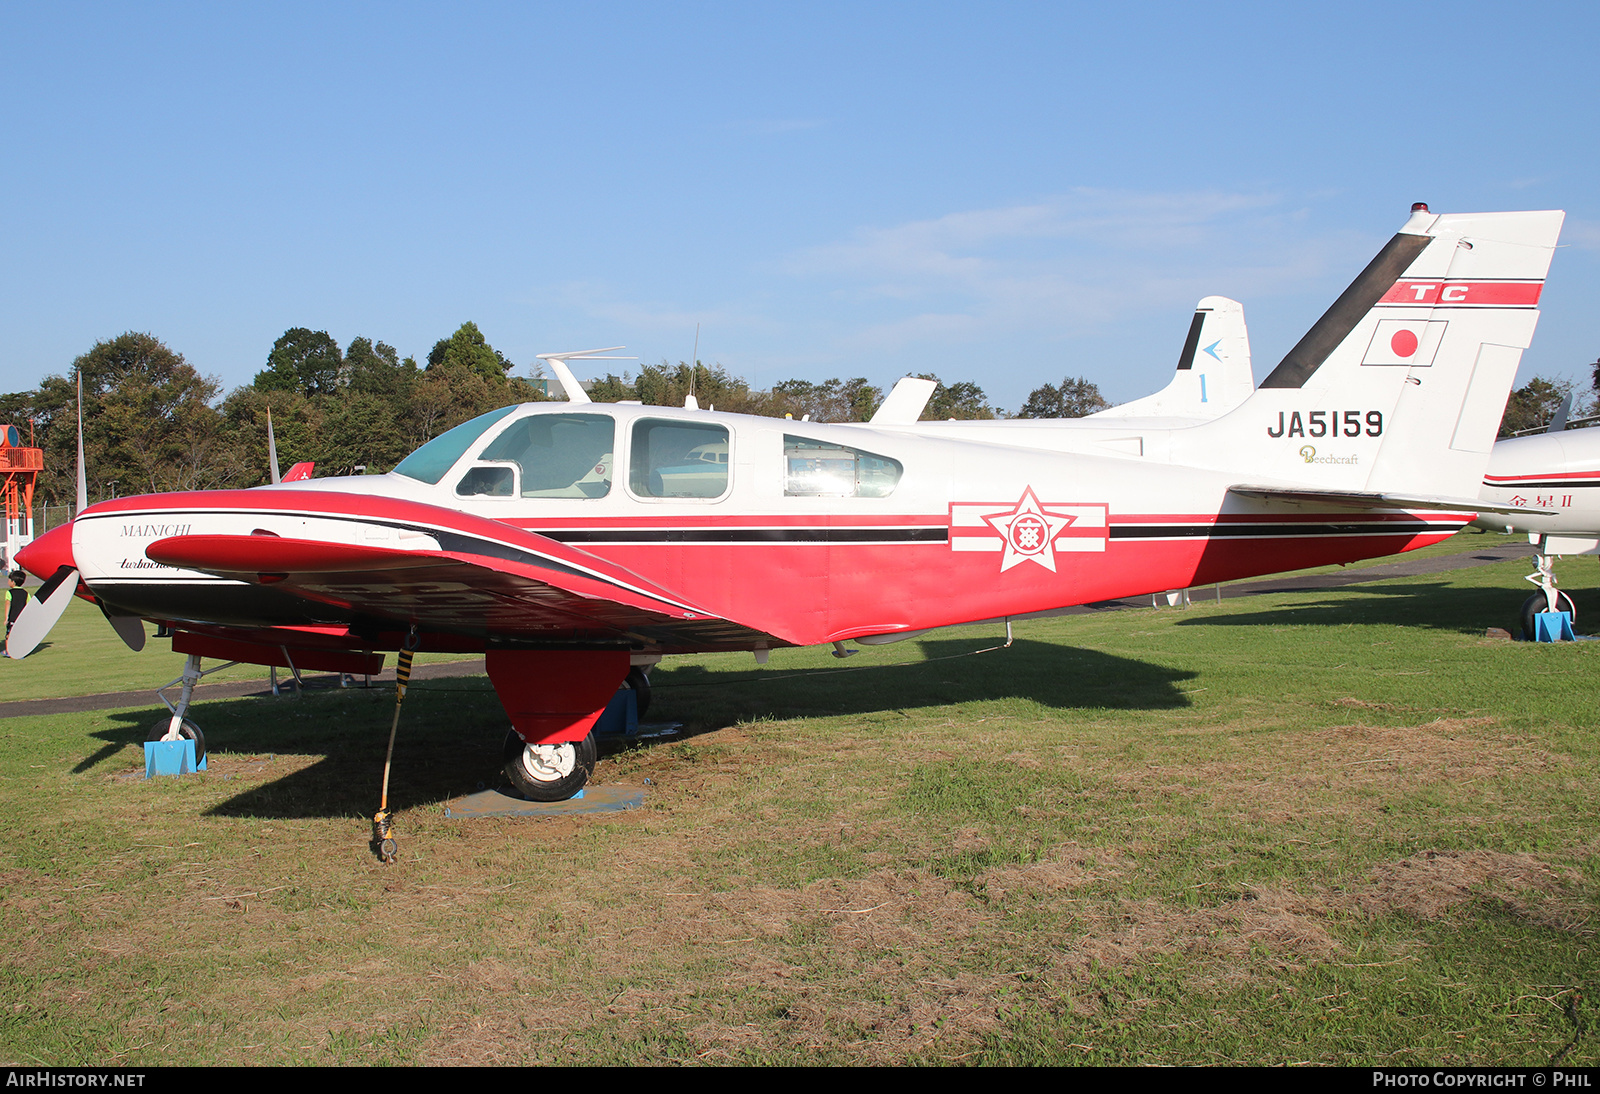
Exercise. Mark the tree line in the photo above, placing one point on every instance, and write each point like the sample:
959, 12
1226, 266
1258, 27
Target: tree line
153, 422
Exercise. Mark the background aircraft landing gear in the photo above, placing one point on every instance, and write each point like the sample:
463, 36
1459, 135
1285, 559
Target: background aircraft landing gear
549, 773
1548, 599
187, 731
1538, 602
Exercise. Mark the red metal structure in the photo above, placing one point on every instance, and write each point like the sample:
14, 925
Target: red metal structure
19, 472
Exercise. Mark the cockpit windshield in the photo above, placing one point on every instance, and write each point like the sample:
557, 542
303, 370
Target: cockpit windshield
429, 463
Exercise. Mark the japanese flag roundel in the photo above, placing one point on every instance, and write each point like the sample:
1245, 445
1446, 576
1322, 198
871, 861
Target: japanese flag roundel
1405, 342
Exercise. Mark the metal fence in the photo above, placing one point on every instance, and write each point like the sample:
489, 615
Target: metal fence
45, 517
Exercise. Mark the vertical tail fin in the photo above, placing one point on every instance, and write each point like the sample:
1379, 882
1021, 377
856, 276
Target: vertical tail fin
1399, 387
1213, 374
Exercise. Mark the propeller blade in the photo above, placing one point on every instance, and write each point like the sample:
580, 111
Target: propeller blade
83, 482
272, 450
129, 628
41, 613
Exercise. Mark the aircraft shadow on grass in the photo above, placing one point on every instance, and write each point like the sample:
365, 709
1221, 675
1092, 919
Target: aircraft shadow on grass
1436, 605
451, 731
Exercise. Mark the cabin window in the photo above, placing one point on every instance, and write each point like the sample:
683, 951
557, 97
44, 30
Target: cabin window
430, 462
816, 469
558, 456
673, 459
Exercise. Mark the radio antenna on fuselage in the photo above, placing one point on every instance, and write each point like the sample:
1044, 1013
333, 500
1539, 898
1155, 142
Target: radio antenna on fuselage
689, 401
569, 383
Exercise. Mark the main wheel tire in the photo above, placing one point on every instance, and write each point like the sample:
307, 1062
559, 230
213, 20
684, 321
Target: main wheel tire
549, 773
189, 731
640, 683
1536, 604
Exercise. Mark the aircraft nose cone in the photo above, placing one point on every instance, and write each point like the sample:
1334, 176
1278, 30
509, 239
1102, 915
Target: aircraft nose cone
47, 554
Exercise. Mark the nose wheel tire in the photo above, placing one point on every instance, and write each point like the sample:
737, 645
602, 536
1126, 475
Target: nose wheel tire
549, 773
189, 732
1536, 604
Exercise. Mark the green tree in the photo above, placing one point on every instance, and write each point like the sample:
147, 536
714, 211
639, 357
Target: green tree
297, 426
963, 401
307, 361
835, 400
468, 351
375, 368
1075, 398
670, 385
611, 388
1532, 406
148, 422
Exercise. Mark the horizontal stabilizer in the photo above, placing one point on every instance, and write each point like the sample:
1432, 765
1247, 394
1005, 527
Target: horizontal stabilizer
1360, 500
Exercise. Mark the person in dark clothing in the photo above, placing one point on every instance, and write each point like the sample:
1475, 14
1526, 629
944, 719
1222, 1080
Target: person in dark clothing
16, 598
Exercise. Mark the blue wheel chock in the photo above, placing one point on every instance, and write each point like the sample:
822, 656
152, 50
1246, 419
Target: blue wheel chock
621, 717
170, 758
1553, 627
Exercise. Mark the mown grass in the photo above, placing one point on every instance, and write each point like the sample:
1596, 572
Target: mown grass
1332, 828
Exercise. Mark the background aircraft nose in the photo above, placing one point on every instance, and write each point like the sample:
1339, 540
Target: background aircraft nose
47, 554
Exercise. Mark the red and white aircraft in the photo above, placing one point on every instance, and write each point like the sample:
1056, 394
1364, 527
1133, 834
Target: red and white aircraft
573, 541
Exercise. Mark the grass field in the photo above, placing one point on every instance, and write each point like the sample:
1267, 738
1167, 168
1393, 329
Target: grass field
1340, 827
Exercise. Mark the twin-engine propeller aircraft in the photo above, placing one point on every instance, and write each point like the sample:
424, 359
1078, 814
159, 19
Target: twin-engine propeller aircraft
573, 542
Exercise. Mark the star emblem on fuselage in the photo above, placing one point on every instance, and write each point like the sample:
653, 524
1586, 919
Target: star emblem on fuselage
1029, 532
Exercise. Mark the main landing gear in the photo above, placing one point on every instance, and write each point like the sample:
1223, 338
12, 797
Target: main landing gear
554, 698
549, 773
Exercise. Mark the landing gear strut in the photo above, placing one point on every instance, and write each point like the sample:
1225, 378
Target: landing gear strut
178, 727
1549, 598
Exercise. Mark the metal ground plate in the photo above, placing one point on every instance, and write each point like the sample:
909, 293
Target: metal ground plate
593, 799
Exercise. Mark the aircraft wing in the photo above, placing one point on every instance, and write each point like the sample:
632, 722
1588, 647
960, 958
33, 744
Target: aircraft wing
539, 592
1348, 499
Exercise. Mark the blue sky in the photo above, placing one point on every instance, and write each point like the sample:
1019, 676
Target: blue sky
1000, 193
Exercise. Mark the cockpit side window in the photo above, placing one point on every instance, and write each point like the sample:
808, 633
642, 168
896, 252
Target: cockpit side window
816, 469
560, 455
430, 462
674, 459
486, 482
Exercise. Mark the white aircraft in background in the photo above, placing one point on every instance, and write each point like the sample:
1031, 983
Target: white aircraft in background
1213, 377
571, 542
1547, 485
1213, 374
